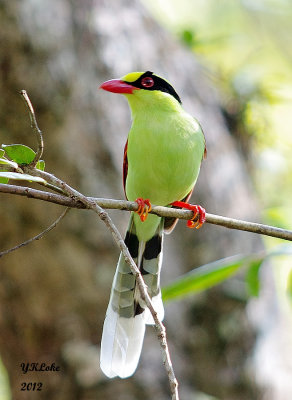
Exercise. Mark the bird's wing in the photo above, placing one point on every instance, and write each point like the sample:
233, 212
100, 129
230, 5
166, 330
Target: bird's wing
125, 166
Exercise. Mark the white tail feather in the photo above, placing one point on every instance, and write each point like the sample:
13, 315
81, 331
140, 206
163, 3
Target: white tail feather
121, 344
123, 331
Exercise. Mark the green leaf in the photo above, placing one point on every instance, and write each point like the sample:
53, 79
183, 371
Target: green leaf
21, 177
253, 277
204, 277
2, 152
19, 153
41, 165
4, 180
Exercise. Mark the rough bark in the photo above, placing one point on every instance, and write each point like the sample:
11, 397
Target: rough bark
54, 292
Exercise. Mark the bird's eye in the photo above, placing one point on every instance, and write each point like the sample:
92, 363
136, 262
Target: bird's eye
147, 82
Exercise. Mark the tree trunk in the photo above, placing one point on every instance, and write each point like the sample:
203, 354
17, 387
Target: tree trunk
54, 292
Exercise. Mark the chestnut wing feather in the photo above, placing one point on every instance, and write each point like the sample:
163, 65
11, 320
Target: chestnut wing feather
125, 166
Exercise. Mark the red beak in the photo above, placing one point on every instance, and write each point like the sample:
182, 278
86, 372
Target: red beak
117, 86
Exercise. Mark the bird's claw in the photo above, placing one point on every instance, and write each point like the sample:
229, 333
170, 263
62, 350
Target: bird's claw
144, 207
199, 216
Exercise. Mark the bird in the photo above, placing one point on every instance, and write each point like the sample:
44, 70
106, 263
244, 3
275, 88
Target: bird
162, 159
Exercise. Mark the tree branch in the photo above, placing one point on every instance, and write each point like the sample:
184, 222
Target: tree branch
66, 201
35, 128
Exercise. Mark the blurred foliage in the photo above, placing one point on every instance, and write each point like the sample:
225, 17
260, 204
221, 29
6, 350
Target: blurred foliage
245, 47
209, 275
203, 277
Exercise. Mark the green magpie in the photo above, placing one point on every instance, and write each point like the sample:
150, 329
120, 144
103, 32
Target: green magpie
162, 159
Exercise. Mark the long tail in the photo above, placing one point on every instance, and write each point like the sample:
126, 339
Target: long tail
126, 316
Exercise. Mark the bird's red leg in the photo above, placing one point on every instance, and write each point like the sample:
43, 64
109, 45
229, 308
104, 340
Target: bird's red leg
144, 207
199, 214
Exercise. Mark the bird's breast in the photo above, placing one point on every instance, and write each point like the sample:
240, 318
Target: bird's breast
163, 159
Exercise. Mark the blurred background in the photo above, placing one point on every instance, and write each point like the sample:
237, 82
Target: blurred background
230, 62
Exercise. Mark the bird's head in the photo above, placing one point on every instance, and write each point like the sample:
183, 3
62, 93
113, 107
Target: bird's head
143, 86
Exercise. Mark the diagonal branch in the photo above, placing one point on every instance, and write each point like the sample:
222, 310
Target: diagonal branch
91, 204
230, 223
81, 201
35, 128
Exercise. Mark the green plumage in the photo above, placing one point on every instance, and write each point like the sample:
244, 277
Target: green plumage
165, 149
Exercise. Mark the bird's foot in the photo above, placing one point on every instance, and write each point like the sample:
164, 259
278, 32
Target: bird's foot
144, 207
199, 216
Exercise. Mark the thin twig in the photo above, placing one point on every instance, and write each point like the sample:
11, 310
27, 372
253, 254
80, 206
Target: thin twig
103, 215
160, 328
37, 237
35, 128
230, 223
